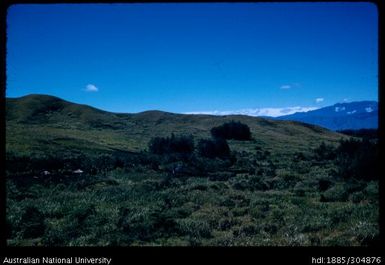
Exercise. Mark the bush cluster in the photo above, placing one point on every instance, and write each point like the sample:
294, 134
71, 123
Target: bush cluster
363, 133
357, 159
173, 144
354, 159
232, 130
213, 148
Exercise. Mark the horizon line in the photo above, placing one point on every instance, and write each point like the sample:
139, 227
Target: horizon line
269, 112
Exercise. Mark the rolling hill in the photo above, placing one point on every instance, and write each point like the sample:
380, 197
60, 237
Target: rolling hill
42, 124
341, 116
79, 176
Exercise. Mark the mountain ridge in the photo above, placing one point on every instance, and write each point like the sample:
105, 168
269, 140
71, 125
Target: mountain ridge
340, 116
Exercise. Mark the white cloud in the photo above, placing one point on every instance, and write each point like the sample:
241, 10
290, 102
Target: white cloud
318, 100
369, 109
270, 112
285, 87
351, 112
290, 86
91, 88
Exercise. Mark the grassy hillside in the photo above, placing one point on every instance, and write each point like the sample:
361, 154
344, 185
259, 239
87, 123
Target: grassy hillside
39, 124
291, 184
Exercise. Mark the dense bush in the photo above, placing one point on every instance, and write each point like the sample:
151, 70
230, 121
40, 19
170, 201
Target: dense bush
324, 184
354, 159
213, 148
349, 146
363, 133
173, 144
358, 159
232, 130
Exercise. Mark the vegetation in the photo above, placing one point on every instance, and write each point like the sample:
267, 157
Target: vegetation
173, 144
289, 186
358, 159
232, 130
213, 148
369, 134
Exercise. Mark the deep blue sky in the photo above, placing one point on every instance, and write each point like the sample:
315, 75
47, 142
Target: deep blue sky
194, 57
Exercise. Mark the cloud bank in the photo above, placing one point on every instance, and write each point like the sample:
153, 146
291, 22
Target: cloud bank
269, 112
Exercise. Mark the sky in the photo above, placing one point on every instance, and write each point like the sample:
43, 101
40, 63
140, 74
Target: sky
217, 58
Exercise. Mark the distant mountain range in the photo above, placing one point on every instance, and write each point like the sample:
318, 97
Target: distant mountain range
341, 116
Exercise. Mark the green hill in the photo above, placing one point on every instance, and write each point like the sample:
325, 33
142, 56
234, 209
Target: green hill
42, 124
79, 176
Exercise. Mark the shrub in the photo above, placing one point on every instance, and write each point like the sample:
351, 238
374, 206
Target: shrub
358, 159
363, 133
300, 189
241, 184
357, 197
270, 228
324, 152
203, 165
299, 156
173, 144
336, 193
372, 191
82, 212
324, 184
104, 163
32, 222
213, 148
232, 130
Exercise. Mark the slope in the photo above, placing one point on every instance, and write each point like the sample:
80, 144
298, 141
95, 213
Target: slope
42, 124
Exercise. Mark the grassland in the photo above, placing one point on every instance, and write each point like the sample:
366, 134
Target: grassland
277, 189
